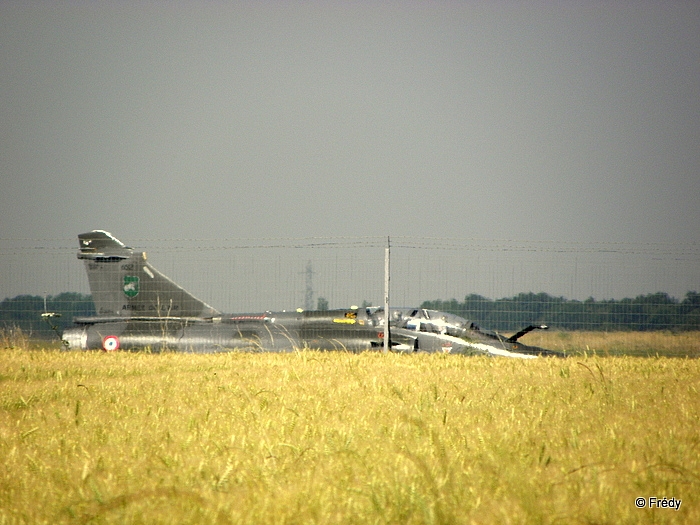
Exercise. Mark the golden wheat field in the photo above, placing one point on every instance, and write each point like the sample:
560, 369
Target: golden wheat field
308, 437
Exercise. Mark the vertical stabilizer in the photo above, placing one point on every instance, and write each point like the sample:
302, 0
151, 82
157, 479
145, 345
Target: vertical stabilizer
123, 284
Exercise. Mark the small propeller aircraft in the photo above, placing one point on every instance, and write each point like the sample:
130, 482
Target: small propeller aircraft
139, 308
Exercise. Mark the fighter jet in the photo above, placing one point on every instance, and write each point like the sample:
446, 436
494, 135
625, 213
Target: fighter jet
139, 308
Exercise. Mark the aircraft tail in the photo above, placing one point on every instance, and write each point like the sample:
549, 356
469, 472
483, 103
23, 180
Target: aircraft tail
124, 284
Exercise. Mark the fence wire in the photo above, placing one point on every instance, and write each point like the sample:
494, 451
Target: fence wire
499, 282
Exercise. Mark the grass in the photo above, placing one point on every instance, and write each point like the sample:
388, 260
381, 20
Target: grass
641, 344
314, 437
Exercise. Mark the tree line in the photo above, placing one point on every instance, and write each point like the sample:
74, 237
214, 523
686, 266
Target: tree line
656, 311
24, 312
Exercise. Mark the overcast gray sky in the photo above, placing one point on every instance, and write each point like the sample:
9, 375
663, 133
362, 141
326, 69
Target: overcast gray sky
543, 121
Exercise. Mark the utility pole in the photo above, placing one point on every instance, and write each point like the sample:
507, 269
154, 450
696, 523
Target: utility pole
387, 316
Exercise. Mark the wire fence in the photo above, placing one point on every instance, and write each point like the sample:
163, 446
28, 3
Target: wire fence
502, 284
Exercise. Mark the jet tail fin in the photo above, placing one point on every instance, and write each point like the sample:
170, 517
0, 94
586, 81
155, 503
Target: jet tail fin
124, 284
